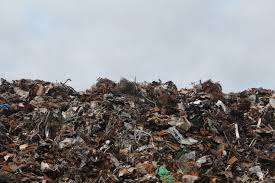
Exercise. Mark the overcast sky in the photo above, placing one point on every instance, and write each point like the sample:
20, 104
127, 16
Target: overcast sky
184, 41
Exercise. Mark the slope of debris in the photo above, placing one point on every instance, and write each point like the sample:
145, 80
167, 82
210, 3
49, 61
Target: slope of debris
135, 132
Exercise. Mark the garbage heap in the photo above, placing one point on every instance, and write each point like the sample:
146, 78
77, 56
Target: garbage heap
135, 132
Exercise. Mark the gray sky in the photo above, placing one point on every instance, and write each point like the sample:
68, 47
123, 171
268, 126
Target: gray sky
184, 41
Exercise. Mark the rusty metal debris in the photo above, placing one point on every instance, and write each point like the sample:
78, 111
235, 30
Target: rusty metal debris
135, 132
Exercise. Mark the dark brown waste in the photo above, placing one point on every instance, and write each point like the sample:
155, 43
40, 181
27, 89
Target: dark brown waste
135, 132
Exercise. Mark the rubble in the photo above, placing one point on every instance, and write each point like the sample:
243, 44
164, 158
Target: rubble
135, 132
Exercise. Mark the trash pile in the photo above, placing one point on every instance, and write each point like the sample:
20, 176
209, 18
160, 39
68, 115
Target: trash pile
135, 132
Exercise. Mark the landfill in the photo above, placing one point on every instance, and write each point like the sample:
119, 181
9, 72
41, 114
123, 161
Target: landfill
135, 132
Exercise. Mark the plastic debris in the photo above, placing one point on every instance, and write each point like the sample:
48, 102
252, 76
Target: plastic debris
257, 170
45, 166
190, 178
135, 132
222, 105
23, 147
178, 136
188, 156
4, 106
202, 160
165, 175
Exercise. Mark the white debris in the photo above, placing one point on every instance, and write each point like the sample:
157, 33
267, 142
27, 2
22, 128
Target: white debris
21, 105
182, 123
189, 141
132, 104
257, 170
177, 135
65, 143
272, 101
188, 156
222, 105
181, 107
202, 160
23, 147
142, 148
197, 102
7, 156
259, 122
93, 104
44, 166
190, 178
69, 141
37, 101
237, 131
23, 94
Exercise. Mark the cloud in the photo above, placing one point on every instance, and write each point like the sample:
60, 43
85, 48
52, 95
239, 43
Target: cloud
184, 41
